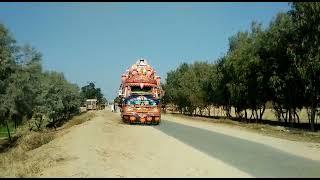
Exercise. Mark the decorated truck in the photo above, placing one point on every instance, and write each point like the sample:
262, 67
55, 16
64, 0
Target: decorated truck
140, 94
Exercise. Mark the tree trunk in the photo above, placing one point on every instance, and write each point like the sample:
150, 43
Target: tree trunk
309, 116
313, 113
297, 117
290, 117
228, 112
281, 115
294, 117
252, 114
286, 118
8, 131
245, 114
316, 120
262, 112
256, 115
15, 123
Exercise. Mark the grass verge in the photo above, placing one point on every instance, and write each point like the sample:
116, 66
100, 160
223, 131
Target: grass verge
4, 132
18, 159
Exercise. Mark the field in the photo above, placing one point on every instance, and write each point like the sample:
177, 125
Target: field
268, 118
268, 114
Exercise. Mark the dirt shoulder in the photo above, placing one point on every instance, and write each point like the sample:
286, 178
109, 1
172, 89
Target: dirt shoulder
18, 158
105, 147
308, 150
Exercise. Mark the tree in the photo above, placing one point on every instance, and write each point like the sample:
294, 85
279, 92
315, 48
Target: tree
26, 92
246, 83
23, 84
7, 67
284, 76
219, 80
175, 89
90, 92
306, 51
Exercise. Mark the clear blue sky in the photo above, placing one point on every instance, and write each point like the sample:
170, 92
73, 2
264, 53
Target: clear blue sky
98, 41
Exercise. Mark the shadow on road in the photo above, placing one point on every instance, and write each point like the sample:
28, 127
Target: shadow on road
256, 159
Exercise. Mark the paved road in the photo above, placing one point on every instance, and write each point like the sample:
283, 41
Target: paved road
256, 159
107, 147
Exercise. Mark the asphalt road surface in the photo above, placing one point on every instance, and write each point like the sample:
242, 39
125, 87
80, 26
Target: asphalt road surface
254, 158
107, 147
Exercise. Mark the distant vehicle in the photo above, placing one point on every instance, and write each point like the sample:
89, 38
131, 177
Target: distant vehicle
91, 104
140, 94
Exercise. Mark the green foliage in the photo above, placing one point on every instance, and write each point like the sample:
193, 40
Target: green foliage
90, 92
306, 51
58, 99
186, 86
27, 94
279, 64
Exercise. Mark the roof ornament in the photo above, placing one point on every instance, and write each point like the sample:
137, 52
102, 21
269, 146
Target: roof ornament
142, 62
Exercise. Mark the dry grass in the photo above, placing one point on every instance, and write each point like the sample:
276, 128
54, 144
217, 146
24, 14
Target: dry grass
79, 119
268, 114
15, 162
21, 161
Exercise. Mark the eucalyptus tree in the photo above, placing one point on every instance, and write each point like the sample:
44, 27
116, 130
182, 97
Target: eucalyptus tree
244, 66
286, 83
306, 50
7, 66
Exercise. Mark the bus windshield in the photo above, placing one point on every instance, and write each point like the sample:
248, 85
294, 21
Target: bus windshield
141, 100
138, 90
